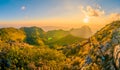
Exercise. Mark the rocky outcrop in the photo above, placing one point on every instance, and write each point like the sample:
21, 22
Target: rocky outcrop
111, 51
116, 42
105, 49
117, 56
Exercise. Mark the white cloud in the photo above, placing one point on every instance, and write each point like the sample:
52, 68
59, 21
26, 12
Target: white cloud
23, 8
92, 12
114, 16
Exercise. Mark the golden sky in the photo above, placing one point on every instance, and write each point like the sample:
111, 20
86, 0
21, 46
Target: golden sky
62, 13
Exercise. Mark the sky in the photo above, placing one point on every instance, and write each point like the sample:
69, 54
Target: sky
64, 13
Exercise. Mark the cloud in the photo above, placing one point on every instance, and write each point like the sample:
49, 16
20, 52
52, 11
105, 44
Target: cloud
114, 16
23, 8
92, 12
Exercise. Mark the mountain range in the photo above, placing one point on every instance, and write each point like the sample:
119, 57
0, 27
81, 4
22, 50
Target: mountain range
37, 36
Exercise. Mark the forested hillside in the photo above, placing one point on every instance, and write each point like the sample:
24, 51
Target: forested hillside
37, 36
30, 48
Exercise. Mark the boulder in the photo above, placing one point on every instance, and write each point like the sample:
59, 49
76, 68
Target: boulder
116, 56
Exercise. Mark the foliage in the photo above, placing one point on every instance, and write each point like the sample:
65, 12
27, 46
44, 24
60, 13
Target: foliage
34, 35
11, 34
32, 57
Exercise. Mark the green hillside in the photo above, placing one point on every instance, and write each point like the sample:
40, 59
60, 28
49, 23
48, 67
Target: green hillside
34, 35
11, 34
67, 40
55, 35
37, 36
60, 38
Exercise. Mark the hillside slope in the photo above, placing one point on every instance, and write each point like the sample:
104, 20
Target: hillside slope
100, 51
34, 35
11, 34
84, 32
67, 40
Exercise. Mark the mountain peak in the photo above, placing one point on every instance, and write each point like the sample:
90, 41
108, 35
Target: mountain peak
84, 32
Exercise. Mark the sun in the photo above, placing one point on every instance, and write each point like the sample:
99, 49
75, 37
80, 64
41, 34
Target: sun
86, 20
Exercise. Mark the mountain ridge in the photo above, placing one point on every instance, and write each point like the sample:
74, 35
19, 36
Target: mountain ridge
97, 53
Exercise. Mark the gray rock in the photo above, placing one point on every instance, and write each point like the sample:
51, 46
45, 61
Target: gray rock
116, 56
114, 41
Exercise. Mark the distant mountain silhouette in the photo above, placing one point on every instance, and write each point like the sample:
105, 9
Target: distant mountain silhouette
49, 28
84, 32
